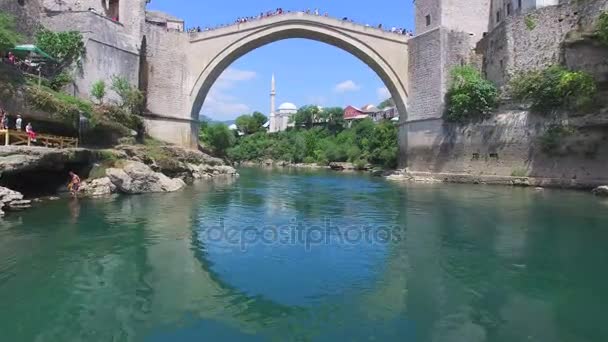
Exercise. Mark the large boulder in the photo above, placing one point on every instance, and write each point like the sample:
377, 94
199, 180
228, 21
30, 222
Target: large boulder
99, 187
12, 200
601, 191
138, 178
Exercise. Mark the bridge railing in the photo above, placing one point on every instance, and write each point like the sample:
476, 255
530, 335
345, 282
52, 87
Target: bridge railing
299, 14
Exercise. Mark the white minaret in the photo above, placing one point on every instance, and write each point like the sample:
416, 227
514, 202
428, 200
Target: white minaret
273, 93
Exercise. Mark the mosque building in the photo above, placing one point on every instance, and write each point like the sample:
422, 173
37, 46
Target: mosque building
279, 119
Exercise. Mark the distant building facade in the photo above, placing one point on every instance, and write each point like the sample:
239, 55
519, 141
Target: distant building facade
352, 113
165, 20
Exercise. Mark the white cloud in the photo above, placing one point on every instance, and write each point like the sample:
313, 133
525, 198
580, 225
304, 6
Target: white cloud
383, 93
219, 104
346, 86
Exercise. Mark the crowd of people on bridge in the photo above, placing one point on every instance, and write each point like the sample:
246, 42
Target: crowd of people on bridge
280, 11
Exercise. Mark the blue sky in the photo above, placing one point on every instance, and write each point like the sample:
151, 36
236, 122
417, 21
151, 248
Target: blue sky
307, 72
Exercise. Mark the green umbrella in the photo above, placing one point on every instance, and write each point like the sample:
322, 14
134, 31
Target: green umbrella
22, 50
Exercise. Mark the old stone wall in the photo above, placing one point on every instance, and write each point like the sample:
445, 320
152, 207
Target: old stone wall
432, 55
166, 72
424, 8
527, 42
111, 49
509, 144
472, 17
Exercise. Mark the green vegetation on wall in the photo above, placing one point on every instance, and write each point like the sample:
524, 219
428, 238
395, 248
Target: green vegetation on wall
602, 28
530, 23
555, 88
8, 36
470, 96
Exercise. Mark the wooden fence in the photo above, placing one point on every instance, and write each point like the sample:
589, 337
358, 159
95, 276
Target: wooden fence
12, 137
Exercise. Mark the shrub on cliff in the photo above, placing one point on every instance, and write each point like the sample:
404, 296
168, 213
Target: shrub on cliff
8, 36
470, 96
61, 106
554, 88
602, 28
131, 98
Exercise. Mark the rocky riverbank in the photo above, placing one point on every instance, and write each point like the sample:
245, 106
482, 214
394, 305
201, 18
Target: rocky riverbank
32, 172
597, 185
336, 166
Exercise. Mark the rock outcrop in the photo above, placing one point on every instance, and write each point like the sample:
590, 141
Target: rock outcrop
601, 191
15, 159
138, 178
177, 162
12, 201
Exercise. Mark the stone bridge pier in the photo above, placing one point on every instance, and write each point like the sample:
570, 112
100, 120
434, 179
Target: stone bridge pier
178, 69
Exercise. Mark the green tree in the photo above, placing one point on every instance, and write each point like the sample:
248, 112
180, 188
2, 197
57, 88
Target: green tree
218, 136
470, 96
333, 118
98, 90
67, 47
259, 118
8, 36
306, 116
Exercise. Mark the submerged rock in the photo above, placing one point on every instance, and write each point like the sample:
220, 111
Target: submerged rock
138, 178
601, 191
12, 200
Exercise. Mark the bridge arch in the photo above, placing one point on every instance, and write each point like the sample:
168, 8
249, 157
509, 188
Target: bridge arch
384, 52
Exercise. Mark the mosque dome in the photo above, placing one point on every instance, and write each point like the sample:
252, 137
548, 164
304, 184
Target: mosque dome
288, 107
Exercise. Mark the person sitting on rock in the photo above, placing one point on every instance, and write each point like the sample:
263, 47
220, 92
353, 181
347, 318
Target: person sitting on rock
74, 184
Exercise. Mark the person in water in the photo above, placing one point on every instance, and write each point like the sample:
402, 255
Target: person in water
74, 185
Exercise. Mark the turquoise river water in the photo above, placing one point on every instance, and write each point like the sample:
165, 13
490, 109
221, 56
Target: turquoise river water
309, 256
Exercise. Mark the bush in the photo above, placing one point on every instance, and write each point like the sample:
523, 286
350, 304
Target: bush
112, 113
61, 80
64, 107
131, 98
98, 91
602, 28
554, 88
309, 160
470, 96
219, 137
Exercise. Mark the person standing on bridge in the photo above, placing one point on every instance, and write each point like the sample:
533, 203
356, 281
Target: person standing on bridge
18, 123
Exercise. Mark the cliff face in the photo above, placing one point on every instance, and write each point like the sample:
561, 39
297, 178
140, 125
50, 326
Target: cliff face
27, 14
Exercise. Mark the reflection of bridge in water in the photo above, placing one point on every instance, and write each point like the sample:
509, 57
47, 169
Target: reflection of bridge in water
153, 271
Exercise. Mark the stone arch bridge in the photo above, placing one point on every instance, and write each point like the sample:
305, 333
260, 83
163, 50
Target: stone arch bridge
178, 69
